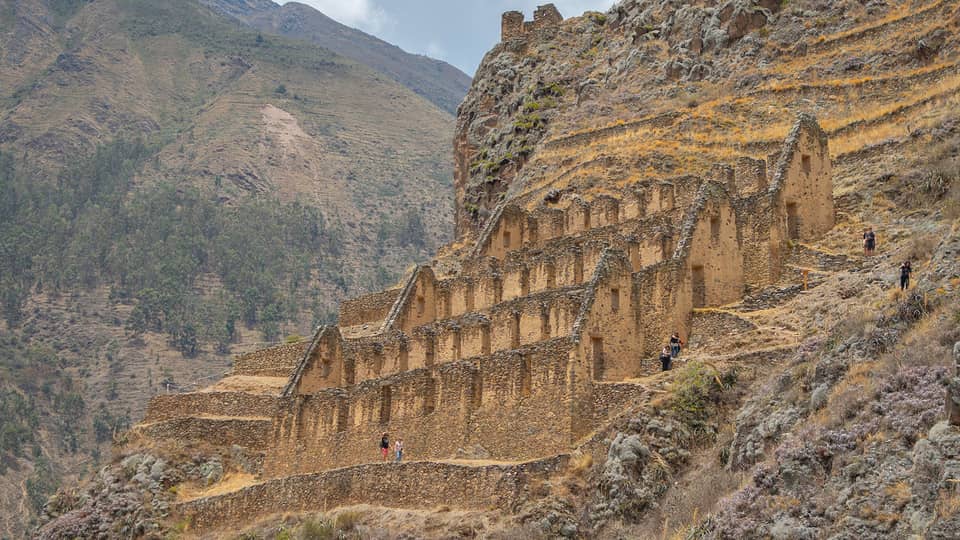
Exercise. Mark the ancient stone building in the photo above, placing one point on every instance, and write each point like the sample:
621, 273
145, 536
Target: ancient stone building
514, 26
531, 342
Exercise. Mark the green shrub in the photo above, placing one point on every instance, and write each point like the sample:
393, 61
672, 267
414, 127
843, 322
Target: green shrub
697, 389
317, 530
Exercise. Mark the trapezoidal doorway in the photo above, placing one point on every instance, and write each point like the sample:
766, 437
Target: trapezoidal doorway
793, 221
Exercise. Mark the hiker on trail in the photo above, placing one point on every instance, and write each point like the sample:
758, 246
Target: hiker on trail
665, 359
869, 241
675, 344
905, 270
398, 448
385, 445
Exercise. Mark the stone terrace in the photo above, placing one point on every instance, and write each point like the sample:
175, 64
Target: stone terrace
535, 342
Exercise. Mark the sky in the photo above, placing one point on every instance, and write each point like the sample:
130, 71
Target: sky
457, 31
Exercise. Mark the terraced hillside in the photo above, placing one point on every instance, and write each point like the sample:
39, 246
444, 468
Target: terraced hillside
649, 95
177, 186
700, 168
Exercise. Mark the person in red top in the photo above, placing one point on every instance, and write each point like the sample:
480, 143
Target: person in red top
385, 446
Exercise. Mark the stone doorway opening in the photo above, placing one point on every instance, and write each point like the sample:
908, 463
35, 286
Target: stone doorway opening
793, 221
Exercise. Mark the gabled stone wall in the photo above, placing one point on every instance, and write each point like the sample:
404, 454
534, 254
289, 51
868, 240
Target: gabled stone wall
516, 352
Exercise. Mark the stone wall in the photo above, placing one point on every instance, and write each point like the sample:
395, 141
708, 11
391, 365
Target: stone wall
803, 181
513, 26
250, 433
167, 407
367, 309
438, 410
407, 485
277, 361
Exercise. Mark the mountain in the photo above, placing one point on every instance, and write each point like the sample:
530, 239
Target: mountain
701, 175
177, 187
439, 82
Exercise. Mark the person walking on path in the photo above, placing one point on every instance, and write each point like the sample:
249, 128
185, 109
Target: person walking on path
905, 270
385, 445
665, 359
675, 345
398, 448
869, 241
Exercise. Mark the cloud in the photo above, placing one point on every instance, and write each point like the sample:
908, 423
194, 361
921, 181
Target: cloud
435, 50
362, 14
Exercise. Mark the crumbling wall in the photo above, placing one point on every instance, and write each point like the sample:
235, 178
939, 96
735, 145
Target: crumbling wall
436, 410
368, 308
419, 305
170, 406
513, 26
663, 293
803, 181
408, 485
278, 361
763, 238
712, 251
253, 433
324, 367
610, 340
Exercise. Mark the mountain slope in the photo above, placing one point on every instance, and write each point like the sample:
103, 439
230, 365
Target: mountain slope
439, 82
176, 187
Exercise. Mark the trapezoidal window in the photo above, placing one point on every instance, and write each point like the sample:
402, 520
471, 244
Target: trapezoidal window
805, 164
615, 300
715, 229
386, 398
506, 239
699, 287
430, 396
526, 378
515, 332
421, 305
598, 364
343, 416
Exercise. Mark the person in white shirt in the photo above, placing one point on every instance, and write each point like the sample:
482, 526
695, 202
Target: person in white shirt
398, 448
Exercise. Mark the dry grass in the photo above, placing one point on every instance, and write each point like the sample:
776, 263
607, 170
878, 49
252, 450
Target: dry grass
898, 14
899, 493
949, 504
231, 482
580, 464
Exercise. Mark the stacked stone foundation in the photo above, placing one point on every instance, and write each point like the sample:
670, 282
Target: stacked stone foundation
532, 344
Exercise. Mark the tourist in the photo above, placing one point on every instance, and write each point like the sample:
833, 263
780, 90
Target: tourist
665, 359
675, 344
398, 448
905, 270
385, 445
869, 241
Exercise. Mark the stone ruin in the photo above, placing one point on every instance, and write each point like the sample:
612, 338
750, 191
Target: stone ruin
513, 25
532, 344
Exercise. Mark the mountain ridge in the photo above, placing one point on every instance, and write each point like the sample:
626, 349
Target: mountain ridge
438, 81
